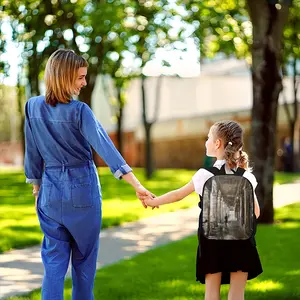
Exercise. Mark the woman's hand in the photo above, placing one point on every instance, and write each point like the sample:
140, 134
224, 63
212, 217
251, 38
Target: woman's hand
143, 194
35, 193
36, 198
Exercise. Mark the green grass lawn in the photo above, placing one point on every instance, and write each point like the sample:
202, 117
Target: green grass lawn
168, 272
281, 178
19, 225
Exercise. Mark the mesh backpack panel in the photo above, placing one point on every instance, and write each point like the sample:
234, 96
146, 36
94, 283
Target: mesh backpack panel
228, 207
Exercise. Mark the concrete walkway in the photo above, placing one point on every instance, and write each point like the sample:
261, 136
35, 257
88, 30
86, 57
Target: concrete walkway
21, 270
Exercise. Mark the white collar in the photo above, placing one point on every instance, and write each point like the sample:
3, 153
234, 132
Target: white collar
219, 163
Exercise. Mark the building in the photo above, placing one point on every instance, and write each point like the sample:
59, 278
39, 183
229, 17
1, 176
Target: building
187, 109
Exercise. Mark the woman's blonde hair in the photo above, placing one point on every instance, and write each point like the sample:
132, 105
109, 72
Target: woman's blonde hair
231, 134
60, 75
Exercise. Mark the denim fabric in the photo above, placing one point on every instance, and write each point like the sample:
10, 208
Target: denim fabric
69, 212
63, 135
58, 157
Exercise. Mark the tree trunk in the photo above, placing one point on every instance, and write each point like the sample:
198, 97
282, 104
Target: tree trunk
33, 74
147, 127
148, 151
292, 121
120, 120
20, 96
294, 130
86, 93
268, 23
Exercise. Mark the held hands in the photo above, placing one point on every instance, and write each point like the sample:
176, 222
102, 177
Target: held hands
149, 201
144, 194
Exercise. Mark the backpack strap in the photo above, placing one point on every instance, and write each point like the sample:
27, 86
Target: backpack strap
213, 170
239, 171
222, 170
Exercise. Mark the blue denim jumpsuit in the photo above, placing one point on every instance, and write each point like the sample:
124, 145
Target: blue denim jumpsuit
58, 157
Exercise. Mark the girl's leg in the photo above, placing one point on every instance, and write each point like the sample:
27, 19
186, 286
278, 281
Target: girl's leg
238, 282
212, 286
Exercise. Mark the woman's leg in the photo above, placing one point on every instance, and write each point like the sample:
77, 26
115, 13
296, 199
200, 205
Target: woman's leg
82, 216
212, 286
84, 246
83, 272
238, 282
55, 254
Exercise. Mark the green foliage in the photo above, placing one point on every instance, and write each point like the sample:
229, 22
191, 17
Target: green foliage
169, 272
225, 27
221, 26
99, 30
291, 45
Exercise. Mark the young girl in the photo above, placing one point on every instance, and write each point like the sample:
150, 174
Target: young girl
59, 133
221, 261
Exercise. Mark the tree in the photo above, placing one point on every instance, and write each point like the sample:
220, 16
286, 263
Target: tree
291, 51
117, 100
152, 25
40, 27
268, 21
224, 26
220, 27
89, 28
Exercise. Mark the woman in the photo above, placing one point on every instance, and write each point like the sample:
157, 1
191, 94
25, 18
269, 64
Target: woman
59, 133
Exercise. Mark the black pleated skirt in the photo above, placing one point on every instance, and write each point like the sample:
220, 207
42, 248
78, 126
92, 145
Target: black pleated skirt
214, 256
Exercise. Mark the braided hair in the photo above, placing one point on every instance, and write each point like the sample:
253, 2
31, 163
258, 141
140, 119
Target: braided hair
231, 134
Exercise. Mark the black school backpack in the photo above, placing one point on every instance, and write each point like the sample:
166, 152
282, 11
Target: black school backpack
227, 206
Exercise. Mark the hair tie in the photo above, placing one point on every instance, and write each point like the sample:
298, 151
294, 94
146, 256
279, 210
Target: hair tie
229, 143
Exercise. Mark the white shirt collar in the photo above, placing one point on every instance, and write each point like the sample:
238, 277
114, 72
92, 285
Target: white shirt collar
219, 163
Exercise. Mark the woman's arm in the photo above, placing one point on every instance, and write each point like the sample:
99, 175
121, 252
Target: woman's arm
33, 161
141, 192
98, 138
172, 196
132, 180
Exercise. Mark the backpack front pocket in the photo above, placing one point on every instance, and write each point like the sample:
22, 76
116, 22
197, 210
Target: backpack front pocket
81, 195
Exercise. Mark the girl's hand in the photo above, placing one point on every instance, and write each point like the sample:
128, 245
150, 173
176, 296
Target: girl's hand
142, 194
150, 202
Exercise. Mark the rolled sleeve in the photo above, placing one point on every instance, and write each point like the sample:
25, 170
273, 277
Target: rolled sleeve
97, 137
33, 162
122, 171
34, 181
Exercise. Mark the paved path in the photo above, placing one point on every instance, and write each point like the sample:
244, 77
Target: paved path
21, 270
